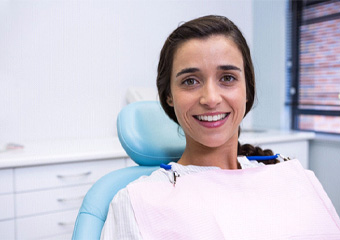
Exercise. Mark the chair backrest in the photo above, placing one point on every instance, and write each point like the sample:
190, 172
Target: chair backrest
148, 135
150, 138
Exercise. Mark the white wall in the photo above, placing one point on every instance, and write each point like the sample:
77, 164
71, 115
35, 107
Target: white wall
65, 65
269, 53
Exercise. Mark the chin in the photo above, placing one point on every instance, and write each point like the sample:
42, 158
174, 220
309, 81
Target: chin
213, 143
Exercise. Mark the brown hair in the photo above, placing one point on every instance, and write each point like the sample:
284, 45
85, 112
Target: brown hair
201, 28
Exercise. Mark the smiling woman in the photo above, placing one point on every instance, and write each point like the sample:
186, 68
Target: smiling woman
208, 61
206, 84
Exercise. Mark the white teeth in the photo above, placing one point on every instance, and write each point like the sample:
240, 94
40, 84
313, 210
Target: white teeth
211, 118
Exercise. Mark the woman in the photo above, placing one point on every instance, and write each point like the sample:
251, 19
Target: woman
206, 84
205, 69
202, 28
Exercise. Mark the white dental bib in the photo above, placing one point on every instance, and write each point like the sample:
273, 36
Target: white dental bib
281, 201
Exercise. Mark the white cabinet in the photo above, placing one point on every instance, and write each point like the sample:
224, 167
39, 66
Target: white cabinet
42, 202
51, 200
47, 198
46, 225
62, 175
7, 205
42, 186
7, 230
6, 181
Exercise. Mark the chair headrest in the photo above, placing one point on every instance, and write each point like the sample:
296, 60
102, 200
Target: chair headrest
148, 135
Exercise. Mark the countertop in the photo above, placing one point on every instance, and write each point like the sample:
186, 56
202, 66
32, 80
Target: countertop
79, 150
62, 151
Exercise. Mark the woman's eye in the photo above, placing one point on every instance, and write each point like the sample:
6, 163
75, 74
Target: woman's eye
190, 81
228, 78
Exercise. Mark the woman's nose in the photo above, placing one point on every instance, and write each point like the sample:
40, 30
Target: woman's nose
210, 95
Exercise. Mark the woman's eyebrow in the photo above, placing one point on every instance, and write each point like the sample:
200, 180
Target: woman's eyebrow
187, 70
229, 67
222, 67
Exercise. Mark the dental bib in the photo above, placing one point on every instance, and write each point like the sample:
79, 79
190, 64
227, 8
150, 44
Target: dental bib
281, 201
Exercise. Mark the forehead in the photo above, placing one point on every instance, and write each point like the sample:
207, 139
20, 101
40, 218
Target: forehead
214, 50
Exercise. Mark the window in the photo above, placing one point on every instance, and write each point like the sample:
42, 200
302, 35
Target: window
315, 70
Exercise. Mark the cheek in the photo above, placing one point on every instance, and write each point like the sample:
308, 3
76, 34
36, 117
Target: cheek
243, 103
179, 108
239, 101
239, 105
182, 106
176, 104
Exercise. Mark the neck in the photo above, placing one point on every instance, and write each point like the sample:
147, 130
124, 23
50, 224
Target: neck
224, 156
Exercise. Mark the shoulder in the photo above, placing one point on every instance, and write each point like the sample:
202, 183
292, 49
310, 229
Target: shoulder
161, 175
122, 196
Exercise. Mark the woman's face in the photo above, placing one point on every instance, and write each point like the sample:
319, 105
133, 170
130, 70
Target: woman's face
208, 90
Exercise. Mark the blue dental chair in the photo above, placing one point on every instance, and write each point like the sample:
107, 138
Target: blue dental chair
150, 138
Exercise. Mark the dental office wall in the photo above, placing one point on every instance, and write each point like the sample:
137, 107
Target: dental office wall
269, 54
65, 65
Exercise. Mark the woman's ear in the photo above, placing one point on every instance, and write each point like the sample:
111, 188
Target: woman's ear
169, 101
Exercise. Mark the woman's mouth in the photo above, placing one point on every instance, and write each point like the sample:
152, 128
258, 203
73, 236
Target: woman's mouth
211, 118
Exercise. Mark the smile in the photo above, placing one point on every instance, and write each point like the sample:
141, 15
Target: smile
211, 118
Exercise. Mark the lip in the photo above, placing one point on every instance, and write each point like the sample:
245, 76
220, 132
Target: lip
213, 124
